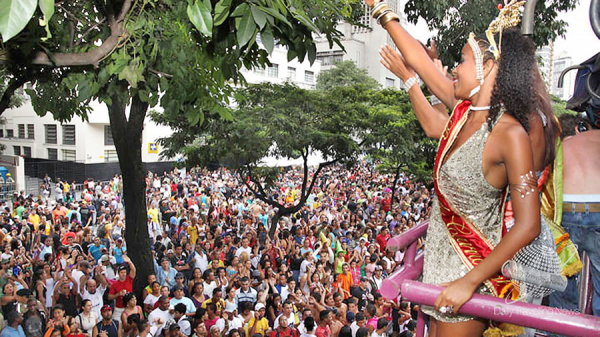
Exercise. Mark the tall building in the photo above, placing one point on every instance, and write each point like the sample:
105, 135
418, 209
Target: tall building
561, 62
362, 46
546, 63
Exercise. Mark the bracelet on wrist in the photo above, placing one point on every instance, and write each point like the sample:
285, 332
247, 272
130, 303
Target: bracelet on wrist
410, 83
380, 8
434, 100
387, 17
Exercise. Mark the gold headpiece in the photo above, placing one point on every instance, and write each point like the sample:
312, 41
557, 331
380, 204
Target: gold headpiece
509, 16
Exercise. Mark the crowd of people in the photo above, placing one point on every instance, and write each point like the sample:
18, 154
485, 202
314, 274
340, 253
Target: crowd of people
65, 268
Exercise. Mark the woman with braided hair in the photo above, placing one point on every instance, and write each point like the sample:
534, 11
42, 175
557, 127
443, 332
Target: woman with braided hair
500, 133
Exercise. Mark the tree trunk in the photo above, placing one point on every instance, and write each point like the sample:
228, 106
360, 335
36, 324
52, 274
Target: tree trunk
396, 177
127, 135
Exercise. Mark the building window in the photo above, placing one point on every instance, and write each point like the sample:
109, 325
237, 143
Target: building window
50, 133
309, 76
108, 139
110, 155
390, 82
69, 155
53, 154
1, 133
273, 70
17, 150
68, 134
21, 131
329, 58
259, 70
30, 131
291, 73
27, 151
10, 133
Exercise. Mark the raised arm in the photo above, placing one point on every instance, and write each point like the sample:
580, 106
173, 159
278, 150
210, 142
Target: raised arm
433, 121
417, 58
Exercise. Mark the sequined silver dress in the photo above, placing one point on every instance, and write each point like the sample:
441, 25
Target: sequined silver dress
462, 182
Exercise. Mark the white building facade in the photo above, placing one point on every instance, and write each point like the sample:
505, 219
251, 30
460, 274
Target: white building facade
362, 46
25, 133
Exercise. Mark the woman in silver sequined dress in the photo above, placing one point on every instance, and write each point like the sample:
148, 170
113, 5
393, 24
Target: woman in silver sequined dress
493, 139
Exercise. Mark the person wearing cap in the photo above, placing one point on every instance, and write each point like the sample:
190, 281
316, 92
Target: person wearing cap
180, 298
258, 324
107, 327
377, 277
165, 274
229, 321
359, 322
122, 286
172, 329
362, 293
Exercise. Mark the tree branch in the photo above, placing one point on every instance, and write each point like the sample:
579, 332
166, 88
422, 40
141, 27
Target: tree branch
261, 193
94, 56
15, 84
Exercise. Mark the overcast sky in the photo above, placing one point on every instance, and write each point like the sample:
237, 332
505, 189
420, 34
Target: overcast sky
580, 42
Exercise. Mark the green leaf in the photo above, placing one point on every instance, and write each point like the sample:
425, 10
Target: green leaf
14, 16
240, 10
268, 40
305, 21
245, 29
200, 15
259, 16
275, 14
221, 11
195, 117
47, 8
312, 53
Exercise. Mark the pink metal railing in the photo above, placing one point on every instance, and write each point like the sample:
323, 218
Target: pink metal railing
549, 319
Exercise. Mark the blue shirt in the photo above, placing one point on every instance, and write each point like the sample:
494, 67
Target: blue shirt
118, 253
96, 251
9, 331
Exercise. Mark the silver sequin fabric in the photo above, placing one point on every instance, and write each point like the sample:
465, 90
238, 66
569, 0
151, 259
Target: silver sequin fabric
462, 182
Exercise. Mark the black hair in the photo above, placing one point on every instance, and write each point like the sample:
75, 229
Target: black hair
346, 331
362, 332
323, 314
382, 323
514, 87
309, 324
180, 308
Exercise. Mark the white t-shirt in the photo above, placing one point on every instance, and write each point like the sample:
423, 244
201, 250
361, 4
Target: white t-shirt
151, 299
96, 299
236, 323
240, 250
163, 315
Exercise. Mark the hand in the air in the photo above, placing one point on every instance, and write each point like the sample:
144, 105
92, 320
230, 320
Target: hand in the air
395, 63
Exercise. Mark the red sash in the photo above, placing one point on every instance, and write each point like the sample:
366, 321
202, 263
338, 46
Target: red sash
471, 245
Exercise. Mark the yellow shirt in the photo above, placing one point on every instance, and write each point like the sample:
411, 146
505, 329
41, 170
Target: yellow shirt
35, 220
261, 326
154, 213
193, 233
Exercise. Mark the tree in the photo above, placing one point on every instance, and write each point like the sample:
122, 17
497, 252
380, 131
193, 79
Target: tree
454, 20
344, 74
283, 121
395, 138
176, 54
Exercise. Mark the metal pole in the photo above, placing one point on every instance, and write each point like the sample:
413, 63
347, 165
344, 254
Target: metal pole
528, 18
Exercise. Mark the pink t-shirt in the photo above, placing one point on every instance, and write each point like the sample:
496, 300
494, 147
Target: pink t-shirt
373, 322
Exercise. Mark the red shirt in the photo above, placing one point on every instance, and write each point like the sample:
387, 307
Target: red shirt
119, 285
382, 241
287, 333
323, 331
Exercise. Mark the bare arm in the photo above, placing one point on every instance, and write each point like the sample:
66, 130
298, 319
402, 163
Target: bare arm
433, 121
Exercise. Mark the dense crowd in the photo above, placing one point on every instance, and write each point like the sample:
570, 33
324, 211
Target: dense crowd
65, 269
